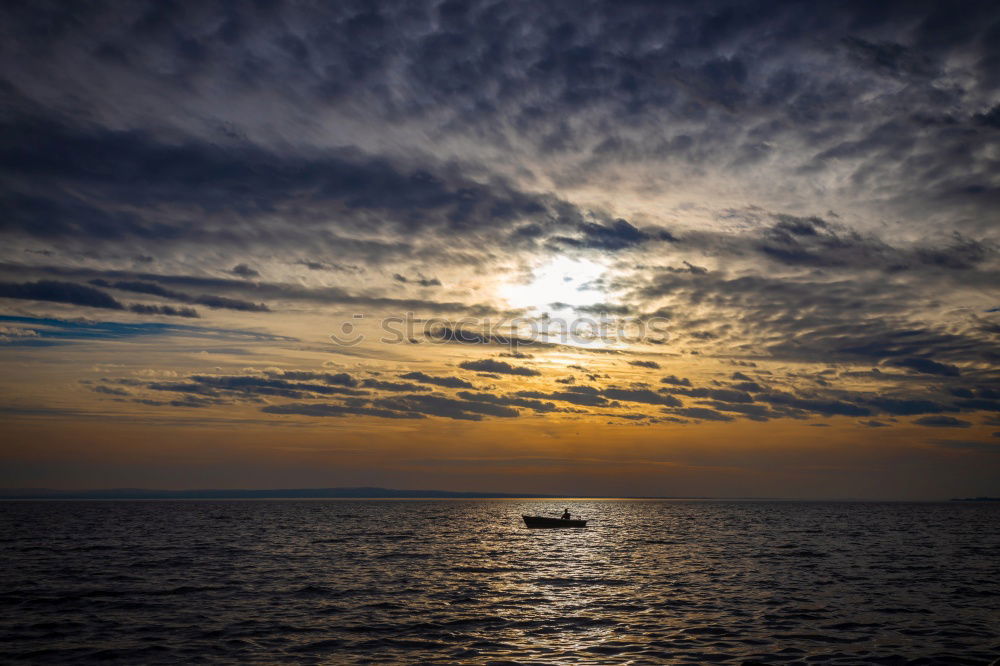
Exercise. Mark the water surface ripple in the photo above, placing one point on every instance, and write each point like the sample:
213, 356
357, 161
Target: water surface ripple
651, 582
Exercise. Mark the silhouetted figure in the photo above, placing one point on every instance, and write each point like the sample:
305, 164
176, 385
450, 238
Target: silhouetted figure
565, 515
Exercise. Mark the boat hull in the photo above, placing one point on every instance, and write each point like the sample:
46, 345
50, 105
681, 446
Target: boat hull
541, 522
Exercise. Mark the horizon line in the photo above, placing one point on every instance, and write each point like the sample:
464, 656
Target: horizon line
377, 492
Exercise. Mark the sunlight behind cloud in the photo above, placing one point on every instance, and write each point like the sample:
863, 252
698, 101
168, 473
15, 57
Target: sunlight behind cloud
560, 281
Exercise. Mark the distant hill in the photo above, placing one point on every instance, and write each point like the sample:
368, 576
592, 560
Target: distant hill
215, 493
976, 499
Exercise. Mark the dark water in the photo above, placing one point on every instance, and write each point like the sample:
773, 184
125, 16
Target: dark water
345, 582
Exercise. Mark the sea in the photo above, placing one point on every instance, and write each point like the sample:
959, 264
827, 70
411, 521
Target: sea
464, 582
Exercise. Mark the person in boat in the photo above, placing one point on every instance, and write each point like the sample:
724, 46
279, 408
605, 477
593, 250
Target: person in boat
565, 515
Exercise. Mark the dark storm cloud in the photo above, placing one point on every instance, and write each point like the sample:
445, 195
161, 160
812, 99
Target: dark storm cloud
613, 236
928, 366
49, 163
789, 75
907, 407
812, 242
220, 302
77, 294
263, 290
890, 58
57, 331
808, 319
60, 292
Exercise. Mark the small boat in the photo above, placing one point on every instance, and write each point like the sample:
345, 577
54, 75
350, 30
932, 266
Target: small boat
539, 521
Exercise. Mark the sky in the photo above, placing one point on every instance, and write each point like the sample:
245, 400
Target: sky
584, 248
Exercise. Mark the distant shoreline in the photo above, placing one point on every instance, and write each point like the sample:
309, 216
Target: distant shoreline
364, 492
374, 493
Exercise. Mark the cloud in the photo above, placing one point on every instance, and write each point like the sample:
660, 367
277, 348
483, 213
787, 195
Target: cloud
961, 445
274, 290
108, 390
584, 399
392, 386
61, 331
466, 335
641, 395
168, 310
753, 412
419, 280
725, 395
60, 292
645, 364
244, 271
927, 366
436, 405
446, 382
335, 410
905, 407
270, 386
245, 181
499, 367
890, 58
942, 422
512, 401
817, 406
702, 413
332, 378
613, 236
78, 294
154, 289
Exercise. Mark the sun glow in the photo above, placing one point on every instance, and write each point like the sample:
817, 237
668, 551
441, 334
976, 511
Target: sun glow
563, 280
